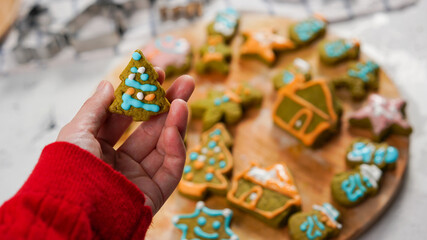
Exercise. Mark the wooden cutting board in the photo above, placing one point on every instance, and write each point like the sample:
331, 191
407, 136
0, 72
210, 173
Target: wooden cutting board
257, 139
8, 14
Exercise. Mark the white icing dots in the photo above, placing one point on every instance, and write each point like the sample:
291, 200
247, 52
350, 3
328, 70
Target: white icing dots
132, 76
175, 219
226, 212
217, 149
298, 123
372, 172
253, 196
140, 95
302, 65
201, 158
141, 69
200, 205
204, 150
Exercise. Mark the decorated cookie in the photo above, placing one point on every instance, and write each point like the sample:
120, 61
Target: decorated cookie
355, 186
205, 223
169, 53
332, 52
269, 194
383, 116
225, 24
308, 110
226, 106
306, 31
264, 44
299, 70
321, 223
364, 151
215, 56
360, 78
139, 95
207, 165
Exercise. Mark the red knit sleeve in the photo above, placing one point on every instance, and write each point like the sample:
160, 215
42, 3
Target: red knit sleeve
72, 194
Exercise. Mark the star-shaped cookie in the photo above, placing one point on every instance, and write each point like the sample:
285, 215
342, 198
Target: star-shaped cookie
383, 116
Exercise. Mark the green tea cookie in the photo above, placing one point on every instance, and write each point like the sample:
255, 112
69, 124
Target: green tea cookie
335, 51
365, 151
207, 165
264, 44
359, 79
305, 32
268, 194
169, 53
139, 95
215, 56
321, 223
226, 106
225, 24
299, 70
205, 223
308, 111
383, 116
355, 186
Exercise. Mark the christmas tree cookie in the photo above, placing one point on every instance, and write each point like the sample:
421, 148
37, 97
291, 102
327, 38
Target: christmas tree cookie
268, 194
383, 116
365, 151
305, 32
299, 70
208, 165
225, 106
321, 223
169, 53
264, 44
225, 24
139, 95
355, 186
360, 78
206, 224
308, 110
215, 56
335, 51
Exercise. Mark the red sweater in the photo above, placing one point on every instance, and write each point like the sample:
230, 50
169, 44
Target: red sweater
72, 194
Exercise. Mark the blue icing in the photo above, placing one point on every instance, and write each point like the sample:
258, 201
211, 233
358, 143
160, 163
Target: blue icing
353, 187
222, 164
212, 144
187, 169
216, 225
361, 150
309, 226
209, 177
392, 155
225, 98
379, 156
201, 221
128, 101
212, 161
305, 30
216, 132
136, 56
367, 182
142, 87
144, 77
363, 70
134, 69
199, 232
288, 77
337, 48
217, 101
193, 156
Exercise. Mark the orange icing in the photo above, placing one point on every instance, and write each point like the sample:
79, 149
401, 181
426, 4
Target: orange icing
215, 40
150, 97
233, 96
199, 165
212, 56
330, 116
189, 176
263, 43
130, 91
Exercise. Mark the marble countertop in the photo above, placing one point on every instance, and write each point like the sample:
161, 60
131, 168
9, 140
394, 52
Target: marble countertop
35, 103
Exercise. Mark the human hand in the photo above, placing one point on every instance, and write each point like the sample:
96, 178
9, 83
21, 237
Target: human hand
153, 156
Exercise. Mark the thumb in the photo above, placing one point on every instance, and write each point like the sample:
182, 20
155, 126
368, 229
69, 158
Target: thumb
94, 111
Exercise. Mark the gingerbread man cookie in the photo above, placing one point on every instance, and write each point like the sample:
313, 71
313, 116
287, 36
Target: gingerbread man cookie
215, 56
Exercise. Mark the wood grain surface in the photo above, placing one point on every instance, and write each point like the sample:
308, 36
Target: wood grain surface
257, 139
8, 14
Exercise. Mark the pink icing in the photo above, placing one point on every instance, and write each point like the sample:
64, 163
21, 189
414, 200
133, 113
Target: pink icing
167, 51
382, 113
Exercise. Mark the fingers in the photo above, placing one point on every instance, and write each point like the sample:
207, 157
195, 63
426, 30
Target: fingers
116, 124
145, 137
94, 111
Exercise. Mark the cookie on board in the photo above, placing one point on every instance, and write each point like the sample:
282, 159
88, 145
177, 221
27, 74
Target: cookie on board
205, 223
355, 186
299, 70
215, 56
360, 78
307, 31
334, 51
172, 54
139, 95
268, 194
225, 24
321, 223
382, 116
308, 111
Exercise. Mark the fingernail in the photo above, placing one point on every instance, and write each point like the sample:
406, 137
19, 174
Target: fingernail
101, 85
